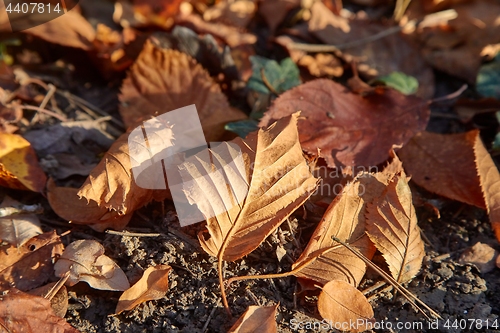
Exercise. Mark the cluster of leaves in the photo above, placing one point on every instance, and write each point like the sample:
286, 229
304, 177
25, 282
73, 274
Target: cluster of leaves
287, 144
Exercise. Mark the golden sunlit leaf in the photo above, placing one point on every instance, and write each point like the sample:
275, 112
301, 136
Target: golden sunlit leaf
152, 286
19, 168
256, 319
345, 307
392, 227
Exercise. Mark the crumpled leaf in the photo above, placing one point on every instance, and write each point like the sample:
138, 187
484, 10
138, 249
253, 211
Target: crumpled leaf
24, 313
19, 228
377, 57
280, 77
431, 160
30, 265
70, 29
66, 203
403, 83
19, 168
349, 129
392, 227
152, 286
256, 319
276, 177
342, 304
163, 80
86, 261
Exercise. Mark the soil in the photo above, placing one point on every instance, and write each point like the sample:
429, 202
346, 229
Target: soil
460, 293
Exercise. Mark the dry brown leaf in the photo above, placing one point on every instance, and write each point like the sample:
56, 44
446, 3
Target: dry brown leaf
30, 265
24, 313
277, 179
154, 12
489, 178
86, 261
349, 129
66, 203
162, 80
230, 35
324, 259
152, 286
59, 302
377, 57
237, 13
256, 319
70, 29
19, 228
480, 255
274, 11
431, 160
19, 168
391, 224
345, 307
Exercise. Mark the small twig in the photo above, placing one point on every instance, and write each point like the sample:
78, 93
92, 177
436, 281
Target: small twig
53, 291
46, 99
208, 319
374, 296
453, 95
47, 112
132, 234
376, 286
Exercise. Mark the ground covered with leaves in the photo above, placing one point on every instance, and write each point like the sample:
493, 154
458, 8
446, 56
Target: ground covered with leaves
351, 181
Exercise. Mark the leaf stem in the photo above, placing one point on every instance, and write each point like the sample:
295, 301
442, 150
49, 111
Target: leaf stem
220, 270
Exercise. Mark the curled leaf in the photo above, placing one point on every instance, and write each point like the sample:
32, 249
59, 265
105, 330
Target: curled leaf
86, 261
152, 286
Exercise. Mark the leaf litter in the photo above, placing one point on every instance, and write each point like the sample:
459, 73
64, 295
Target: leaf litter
262, 218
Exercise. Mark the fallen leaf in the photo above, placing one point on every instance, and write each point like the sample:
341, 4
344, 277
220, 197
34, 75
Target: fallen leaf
70, 29
66, 203
431, 160
19, 168
152, 286
401, 82
349, 129
237, 13
324, 259
86, 261
163, 80
277, 179
267, 73
488, 79
232, 36
377, 57
480, 255
256, 319
59, 302
466, 109
24, 313
391, 224
345, 307
30, 265
275, 11
154, 12
19, 228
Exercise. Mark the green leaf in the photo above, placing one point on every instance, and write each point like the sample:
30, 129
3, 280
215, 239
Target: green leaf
400, 81
280, 77
242, 127
488, 79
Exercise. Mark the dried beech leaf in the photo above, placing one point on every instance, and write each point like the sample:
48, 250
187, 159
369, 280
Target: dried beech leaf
480, 255
19, 228
24, 313
277, 179
30, 265
489, 178
70, 29
163, 80
68, 205
349, 129
86, 261
152, 286
256, 319
324, 259
431, 160
19, 168
342, 305
392, 227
